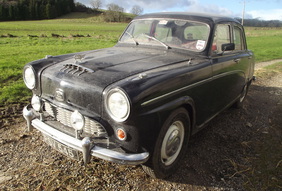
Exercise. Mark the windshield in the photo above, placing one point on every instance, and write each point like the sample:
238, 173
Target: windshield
169, 33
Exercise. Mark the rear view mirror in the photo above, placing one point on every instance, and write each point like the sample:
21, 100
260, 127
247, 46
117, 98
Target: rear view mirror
227, 47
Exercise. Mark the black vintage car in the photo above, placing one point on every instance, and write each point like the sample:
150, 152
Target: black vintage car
140, 101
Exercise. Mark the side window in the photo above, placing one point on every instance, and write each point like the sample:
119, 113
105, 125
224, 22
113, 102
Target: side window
238, 40
222, 36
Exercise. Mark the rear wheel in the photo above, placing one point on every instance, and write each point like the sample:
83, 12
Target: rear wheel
171, 145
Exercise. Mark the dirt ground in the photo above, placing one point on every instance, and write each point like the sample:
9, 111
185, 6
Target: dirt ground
241, 149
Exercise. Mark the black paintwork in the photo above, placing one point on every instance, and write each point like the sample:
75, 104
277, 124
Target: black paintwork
203, 83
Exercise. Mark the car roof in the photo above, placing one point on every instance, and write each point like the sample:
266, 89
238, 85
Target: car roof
208, 18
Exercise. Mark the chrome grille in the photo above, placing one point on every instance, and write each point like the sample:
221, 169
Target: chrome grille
64, 116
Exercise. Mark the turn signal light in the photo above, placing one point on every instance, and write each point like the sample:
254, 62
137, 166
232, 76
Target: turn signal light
121, 134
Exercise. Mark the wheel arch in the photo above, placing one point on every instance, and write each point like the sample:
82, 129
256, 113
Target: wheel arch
162, 112
189, 107
186, 102
157, 166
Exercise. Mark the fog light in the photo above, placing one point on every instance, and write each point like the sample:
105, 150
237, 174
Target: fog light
121, 134
77, 120
36, 103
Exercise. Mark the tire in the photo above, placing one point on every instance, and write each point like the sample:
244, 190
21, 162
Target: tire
239, 103
170, 146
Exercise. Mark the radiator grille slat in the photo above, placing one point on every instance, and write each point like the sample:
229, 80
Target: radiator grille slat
64, 116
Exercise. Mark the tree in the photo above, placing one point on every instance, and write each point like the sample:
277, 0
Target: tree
114, 13
115, 7
11, 12
48, 11
96, 4
1, 12
137, 10
34, 9
79, 7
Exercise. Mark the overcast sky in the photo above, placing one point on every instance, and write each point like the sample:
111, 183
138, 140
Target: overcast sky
262, 9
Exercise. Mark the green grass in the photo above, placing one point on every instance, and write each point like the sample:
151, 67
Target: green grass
265, 42
16, 52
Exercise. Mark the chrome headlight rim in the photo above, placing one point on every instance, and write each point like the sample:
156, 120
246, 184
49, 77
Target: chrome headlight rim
113, 115
29, 77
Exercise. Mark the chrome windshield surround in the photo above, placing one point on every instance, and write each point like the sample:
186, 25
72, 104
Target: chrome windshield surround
194, 37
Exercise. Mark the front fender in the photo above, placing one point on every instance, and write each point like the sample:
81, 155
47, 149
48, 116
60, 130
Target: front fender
157, 115
169, 106
165, 109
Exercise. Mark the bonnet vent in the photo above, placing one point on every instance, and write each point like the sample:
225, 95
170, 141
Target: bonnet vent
75, 69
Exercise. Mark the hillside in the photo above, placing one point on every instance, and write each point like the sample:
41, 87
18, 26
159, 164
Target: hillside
34, 10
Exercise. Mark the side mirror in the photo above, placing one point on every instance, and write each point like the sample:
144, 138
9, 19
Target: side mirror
227, 47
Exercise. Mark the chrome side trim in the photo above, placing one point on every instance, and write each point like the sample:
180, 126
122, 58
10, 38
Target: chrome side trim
175, 91
85, 146
227, 74
188, 87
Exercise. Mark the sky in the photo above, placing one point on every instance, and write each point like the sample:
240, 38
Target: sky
254, 9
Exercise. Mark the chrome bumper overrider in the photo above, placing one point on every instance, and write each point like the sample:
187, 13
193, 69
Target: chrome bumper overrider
85, 145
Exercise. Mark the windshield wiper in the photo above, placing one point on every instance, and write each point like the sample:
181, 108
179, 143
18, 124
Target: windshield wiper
131, 37
155, 39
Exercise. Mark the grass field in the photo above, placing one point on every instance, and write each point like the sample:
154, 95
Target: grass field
265, 42
22, 48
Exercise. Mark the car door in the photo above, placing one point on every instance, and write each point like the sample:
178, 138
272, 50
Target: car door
228, 65
244, 56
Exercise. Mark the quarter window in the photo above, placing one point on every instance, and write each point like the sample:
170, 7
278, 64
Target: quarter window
238, 38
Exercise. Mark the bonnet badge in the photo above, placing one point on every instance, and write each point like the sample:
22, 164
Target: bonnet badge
59, 95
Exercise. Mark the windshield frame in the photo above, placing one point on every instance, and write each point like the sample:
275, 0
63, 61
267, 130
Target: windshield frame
201, 44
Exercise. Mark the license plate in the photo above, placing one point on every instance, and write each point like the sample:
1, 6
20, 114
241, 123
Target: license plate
64, 149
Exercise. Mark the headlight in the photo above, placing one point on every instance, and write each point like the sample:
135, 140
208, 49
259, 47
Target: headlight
77, 120
117, 105
36, 103
29, 77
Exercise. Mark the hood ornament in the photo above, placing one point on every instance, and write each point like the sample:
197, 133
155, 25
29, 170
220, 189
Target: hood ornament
78, 58
48, 56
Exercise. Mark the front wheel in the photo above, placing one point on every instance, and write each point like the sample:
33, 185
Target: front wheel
171, 145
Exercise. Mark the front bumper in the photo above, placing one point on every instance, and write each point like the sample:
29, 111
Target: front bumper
86, 146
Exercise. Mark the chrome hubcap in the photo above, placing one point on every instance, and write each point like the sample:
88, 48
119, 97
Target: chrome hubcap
172, 143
